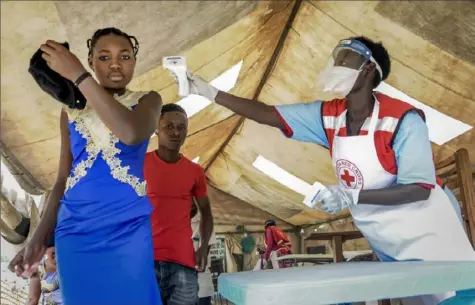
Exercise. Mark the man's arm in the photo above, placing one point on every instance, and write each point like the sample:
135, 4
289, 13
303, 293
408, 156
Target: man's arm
253, 110
212, 241
34, 291
301, 121
206, 220
200, 195
416, 171
395, 195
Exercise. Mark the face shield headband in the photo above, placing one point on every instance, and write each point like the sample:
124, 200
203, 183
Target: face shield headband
344, 66
359, 48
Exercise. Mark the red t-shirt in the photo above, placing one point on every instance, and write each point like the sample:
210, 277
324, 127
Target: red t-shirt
170, 188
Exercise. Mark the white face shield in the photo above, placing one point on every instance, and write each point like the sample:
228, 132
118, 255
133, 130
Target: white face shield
344, 66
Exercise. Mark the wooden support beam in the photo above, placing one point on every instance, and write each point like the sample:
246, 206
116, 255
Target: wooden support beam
264, 78
337, 246
24, 178
464, 170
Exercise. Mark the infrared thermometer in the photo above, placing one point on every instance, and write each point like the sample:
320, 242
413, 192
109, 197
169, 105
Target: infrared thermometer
177, 66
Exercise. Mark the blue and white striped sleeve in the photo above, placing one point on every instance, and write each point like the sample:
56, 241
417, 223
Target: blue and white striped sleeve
303, 122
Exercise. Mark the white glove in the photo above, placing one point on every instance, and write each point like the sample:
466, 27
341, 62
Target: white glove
198, 86
338, 199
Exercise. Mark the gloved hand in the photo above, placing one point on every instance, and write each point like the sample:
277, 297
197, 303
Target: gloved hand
198, 86
338, 199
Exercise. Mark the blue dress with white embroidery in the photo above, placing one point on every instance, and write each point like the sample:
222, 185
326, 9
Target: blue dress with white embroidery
103, 234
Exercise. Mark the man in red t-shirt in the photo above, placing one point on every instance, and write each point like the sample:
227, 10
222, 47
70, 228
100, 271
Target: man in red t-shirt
173, 182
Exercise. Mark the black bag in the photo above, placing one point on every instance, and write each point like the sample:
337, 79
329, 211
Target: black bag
58, 87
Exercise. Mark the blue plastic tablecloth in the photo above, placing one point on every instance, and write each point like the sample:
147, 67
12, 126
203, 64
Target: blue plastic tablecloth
345, 282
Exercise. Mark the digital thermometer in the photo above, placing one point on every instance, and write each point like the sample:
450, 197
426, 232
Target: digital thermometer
177, 66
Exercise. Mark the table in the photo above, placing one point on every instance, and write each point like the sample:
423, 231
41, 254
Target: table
337, 239
320, 258
345, 282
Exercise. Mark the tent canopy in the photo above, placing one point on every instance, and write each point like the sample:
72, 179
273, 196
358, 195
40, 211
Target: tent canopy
432, 62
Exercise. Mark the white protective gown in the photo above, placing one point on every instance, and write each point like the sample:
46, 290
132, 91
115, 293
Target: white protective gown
425, 230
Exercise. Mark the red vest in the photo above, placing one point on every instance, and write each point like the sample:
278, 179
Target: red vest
391, 113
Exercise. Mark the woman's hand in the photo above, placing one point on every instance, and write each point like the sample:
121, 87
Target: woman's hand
16, 264
61, 60
25, 262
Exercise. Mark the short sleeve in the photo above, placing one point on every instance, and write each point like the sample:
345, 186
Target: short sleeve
414, 153
200, 189
303, 122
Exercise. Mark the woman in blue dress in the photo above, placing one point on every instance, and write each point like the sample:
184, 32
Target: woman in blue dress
98, 204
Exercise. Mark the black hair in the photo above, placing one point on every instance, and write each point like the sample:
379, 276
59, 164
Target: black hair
380, 55
173, 107
270, 223
91, 43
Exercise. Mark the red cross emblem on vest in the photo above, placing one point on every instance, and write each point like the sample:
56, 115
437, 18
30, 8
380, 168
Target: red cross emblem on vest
349, 175
347, 178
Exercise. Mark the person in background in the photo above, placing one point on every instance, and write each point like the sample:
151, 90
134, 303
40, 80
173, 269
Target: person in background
277, 244
45, 281
381, 154
173, 182
205, 280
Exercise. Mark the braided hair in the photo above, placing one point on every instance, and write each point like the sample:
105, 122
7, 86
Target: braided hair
91, 43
